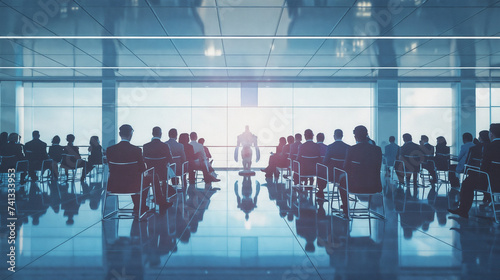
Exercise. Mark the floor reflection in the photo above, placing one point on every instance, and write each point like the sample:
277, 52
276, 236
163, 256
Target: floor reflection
283, 233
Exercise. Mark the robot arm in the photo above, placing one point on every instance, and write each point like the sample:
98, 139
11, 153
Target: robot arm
257, 151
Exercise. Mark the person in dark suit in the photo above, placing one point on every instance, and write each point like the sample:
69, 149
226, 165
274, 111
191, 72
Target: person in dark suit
320, 138
4, 136
189, 152
55, 153
475, 154
491, 155
95, 156
294, 148
156, 149
36, 153
391, 151
286, 149
334, 157
127, 179
177, 151
12, 152
72, 153
428, 151
276, 160
306, 151
362, 164
442, 157
412, 156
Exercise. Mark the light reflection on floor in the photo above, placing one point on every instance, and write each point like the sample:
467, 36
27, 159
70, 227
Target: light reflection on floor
249, 229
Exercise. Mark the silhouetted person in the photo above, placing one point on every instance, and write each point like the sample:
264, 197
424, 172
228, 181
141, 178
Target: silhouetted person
277, 159
362, 164
178, 154
475, 154
428, 151
200, 162
308, 155
286, 149
36, 153
95, 156
491, 154
442, 157
208, 154
190, 156
391, 152
294, 148
55, 153
462, 156
334, 157
3, 140
411, 155
320, 138
12, 153
71, 155
126, 179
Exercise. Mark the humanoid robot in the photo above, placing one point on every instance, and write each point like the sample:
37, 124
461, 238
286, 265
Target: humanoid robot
247, 140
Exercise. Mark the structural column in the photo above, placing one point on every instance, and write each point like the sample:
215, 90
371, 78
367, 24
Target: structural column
466, 118
8, 98
386, 111
109, 113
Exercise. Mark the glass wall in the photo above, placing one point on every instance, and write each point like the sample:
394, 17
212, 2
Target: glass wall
487, 105
428, 109
61, 109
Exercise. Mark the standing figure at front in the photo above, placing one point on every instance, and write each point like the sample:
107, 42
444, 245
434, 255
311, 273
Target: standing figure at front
246, 140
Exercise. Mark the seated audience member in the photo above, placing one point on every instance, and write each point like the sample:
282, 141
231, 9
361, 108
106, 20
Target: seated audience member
12, 152
411, 155
36, 153
462, 156
362, 164
95, 156
55, 153
294, 148
127, 179
320, 138
192, 159
307, 150
391, 151
491, 155
286, 149
156, 149
428, 151
209, 157
177, 151
277, 159
71, 155
334, 157
475, 154
442, 157
4, 136
201, 162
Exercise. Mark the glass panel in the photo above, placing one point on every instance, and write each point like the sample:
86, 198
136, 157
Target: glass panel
426, 95
87, 123
209, 96
432, 122
482, 119
331, 96
495, 94
482, 95
270, 95
140, 96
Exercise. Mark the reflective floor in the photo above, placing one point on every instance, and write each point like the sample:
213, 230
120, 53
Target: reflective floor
249, 229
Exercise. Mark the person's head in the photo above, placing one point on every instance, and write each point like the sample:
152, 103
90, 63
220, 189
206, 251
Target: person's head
308, 134
441, 141
172, 133
156, 131
282, 141
13, 137
201, 141
494, 131
407, 137
298, 137
484, 136
184, 138
338, 134
3, 137
424, 139
247, 128
360, 133
193, 136
290, 139
70, 138
56, 140
392, 139
94, 141
126, 132
467, 137
35, 134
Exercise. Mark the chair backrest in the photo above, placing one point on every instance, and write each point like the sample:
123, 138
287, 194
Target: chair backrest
442, 161
8, 162
178, 165
364, 178
337, 162
22, 166
124, 177
412, 163
307, 165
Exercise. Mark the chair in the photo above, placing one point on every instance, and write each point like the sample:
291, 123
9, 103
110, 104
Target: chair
120, 167
182, 176
286, 169
22, 166
322, 173
67, 163
489, 189
352, 212
46, 165
160, 165
307, 170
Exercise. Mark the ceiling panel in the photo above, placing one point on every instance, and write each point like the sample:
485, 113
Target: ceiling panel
296, 46
174, 73
309, 21
196, 46
249, 21
202, 60
149, 46
281, 73
246, 60
317, 73
189, 21
329, 60
247, 47
75, 60
162, 60
210, 73
245, 73
249, 3
288, 60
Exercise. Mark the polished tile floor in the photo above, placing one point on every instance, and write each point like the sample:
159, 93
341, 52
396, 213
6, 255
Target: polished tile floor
249, 229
